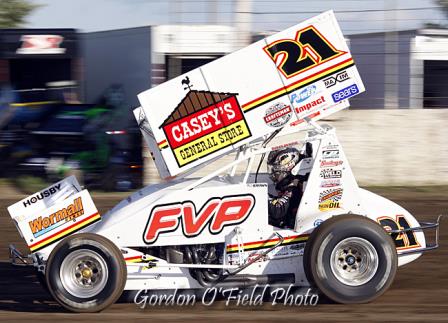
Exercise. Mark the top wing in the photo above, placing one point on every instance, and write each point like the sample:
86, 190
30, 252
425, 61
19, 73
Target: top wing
303, 71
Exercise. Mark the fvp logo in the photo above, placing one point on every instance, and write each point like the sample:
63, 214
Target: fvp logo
216, 213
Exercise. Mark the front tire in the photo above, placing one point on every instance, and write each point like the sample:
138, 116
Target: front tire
86, 273
351, 259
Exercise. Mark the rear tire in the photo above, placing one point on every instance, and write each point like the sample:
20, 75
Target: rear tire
86, 273
351, 259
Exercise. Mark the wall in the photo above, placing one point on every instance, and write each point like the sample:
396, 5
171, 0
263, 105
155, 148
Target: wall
117, 57
395, 147
383, 61
384, 147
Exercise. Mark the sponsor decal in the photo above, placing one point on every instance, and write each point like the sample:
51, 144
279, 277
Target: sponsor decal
76, 226
330, 199
330, 173
316, 103
42, 225
277, 115
41, 44
330, 163
41, 195
330, 147
283, 146
216, 213
330, 183
345, 93
264, 244
309, 49
303, 95
204, 122
339, 77
328, 154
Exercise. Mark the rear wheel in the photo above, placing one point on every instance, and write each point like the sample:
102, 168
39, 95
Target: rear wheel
351, 259
86, 273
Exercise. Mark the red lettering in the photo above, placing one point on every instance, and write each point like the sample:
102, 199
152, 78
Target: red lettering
203, 122
193, 224
163, 219
218, 212
233, 211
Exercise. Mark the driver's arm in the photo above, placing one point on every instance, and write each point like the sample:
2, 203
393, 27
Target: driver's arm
278, 206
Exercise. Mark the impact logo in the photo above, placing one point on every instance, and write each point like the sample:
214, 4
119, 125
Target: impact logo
41, 195
330, 199
203, 123
277, 115
42, 225
303, 95
332, 80
311, 105
216, 213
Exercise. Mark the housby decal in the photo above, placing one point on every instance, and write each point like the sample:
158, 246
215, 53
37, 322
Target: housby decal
41, 195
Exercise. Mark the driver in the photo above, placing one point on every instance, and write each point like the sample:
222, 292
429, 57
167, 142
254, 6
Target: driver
283, 208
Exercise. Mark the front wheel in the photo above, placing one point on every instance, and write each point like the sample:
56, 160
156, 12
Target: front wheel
86, 273
351, 259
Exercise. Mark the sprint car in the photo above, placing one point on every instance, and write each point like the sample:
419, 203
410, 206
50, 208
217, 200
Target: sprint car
214, 230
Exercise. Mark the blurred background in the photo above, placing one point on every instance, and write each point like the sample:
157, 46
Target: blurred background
70, 72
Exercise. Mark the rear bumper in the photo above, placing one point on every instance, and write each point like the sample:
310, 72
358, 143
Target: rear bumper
17, 258
424, 226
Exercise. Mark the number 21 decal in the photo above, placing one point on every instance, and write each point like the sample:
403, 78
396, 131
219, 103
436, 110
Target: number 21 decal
308, 49
404, 240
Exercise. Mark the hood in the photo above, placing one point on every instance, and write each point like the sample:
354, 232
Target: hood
145, 197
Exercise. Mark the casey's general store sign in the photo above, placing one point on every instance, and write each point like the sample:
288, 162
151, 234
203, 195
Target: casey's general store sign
203, 123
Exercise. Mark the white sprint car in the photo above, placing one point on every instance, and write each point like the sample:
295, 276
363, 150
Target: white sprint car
188, 233
214, 231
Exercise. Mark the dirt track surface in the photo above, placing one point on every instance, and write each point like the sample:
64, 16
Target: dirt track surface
419, 293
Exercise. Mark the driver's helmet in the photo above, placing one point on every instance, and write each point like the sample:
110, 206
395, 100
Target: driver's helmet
281, 162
